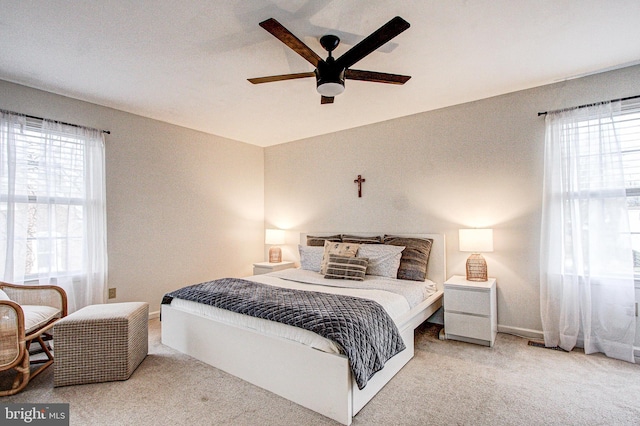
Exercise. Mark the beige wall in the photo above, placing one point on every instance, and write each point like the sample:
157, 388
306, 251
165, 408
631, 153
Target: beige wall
185, 207
182, 206
478, 164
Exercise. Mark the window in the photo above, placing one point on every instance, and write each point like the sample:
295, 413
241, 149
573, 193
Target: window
625, 127
52, 207
628, 132
586, 263
50, 192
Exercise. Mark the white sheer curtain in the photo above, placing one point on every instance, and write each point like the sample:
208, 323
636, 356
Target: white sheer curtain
586, 264
52, 207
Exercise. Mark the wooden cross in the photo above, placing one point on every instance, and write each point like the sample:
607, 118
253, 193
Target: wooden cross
359, 181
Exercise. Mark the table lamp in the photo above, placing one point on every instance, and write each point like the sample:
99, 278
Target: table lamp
476, 241
274, 237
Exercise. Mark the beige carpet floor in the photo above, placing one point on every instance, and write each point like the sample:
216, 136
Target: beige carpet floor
447, 383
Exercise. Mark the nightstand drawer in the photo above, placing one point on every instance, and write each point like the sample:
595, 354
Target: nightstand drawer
468, 301
467, 326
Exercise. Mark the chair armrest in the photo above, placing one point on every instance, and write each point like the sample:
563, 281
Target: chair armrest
42, 295
12, 336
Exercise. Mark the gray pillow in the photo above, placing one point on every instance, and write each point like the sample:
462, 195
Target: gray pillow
384, 260
319, 241
310, 257
361, 240
415, 256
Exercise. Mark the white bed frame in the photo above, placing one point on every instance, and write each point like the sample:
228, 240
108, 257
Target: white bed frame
314, 379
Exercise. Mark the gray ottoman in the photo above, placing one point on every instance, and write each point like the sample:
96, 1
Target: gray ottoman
100, 343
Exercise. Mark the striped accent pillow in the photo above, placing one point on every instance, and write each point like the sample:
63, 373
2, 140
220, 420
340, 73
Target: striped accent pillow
342, 249
319, 241
361, 240
415, 256
346, 268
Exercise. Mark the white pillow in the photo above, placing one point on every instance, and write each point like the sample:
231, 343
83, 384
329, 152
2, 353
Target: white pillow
310, 257
35, 316
384, 260
3, 295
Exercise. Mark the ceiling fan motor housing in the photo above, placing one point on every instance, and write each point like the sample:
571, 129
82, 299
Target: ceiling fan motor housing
329, 78
329, 42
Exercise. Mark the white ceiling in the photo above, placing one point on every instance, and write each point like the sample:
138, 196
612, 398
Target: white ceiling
186, 62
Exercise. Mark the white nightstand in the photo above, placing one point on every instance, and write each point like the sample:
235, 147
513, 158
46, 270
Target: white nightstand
470, 313
266, 267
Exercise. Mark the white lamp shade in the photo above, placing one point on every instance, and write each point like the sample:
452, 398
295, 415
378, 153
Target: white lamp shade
274, 236
476, 240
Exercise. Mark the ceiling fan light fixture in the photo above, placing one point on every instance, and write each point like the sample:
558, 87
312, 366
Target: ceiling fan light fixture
329, 78
330, 89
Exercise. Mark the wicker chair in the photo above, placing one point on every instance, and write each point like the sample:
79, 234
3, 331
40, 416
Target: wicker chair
28, 316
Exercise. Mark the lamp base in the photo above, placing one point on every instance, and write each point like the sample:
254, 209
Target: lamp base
275, 255
476, 268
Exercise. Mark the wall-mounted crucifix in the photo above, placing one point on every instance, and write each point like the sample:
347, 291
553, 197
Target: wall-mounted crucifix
359, 181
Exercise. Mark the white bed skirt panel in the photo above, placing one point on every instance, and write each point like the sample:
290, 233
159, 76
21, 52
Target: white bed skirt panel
314, 379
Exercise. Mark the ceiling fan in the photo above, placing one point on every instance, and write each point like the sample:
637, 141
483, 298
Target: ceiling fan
330, 73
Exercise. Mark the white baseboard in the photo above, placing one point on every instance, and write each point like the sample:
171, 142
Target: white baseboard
154, 315
536, 334
522, 332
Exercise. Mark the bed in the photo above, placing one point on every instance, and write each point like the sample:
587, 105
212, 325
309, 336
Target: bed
305, 369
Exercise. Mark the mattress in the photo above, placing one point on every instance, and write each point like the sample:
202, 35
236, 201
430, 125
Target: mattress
397, 297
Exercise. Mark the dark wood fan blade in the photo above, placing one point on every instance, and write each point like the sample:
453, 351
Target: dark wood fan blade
373, 41
284, 35
377, 77
326, 100
282, 77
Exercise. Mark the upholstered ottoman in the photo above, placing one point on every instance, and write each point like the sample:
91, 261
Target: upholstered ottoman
100, 343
